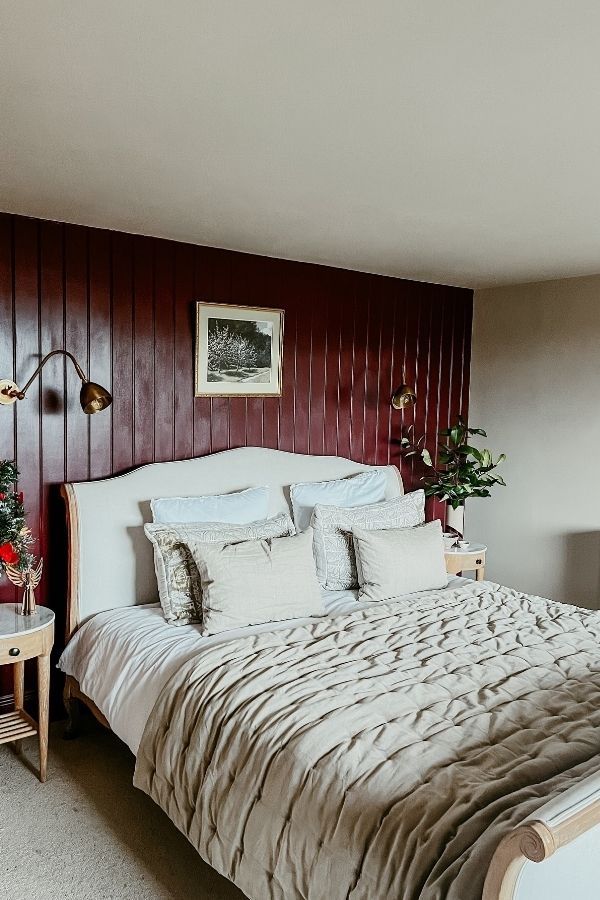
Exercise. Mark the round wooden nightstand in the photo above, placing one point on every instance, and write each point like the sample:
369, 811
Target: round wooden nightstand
22, 638
469, 559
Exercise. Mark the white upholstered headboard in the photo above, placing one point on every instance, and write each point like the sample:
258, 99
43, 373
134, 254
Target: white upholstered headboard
110, 559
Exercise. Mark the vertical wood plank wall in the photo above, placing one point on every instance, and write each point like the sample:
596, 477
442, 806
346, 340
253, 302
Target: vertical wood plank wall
124, 305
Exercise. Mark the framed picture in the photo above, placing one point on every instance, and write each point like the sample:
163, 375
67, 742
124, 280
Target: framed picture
238, 351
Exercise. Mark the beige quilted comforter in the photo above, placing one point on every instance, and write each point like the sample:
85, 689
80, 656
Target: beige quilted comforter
380, 754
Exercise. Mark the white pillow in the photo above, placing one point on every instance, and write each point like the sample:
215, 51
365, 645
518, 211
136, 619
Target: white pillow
238, 508
357, 490
178, 581
257, 581
400, 561
332, 540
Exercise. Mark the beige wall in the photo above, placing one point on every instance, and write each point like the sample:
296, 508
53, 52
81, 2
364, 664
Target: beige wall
535, 388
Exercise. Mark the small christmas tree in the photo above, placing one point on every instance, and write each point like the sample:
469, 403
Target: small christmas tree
15, 536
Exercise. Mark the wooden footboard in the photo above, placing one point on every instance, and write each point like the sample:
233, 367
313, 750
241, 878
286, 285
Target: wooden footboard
563, 820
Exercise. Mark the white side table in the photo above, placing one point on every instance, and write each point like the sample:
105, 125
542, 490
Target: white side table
467, 559
22, 638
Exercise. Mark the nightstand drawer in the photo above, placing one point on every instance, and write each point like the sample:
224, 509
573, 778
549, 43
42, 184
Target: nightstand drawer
25, 646
469, 562
468, 559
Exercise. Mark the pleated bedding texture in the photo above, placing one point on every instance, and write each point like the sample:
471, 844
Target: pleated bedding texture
380, 754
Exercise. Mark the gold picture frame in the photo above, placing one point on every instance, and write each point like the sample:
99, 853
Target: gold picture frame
239, 350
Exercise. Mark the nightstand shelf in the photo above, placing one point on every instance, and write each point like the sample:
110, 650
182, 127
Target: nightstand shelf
14, 726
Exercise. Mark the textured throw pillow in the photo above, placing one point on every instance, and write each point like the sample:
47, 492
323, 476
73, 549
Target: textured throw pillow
176, 573
357, 490
257, 581
400, 561
238, 508
333, 525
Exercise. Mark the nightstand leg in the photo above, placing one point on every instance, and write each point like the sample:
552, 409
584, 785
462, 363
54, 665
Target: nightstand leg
19, 691
479, 574
43, 668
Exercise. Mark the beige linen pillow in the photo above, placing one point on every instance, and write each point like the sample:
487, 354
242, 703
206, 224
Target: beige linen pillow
400, 561
332, 541
179, 588
257, 581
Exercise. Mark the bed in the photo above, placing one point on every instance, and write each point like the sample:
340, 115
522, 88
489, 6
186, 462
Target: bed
428, 794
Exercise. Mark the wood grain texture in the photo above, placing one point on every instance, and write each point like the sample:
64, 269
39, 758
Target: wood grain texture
43, 678
125, 306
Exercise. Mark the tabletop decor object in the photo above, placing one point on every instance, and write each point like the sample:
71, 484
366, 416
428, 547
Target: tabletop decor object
15, 536
238, 351
28, 579
461, 470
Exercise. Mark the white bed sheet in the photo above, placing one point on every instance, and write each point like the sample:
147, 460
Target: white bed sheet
122, 658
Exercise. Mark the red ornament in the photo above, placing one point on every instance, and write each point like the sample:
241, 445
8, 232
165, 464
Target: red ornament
2, 496
8, 554
20, 497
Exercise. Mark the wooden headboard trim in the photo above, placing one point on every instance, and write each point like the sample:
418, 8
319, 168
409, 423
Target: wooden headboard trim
72, 618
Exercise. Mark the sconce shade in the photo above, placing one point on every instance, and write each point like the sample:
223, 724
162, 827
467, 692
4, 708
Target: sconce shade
403, 397
93, 397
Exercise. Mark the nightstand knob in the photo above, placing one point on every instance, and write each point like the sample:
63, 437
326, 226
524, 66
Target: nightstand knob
14, 651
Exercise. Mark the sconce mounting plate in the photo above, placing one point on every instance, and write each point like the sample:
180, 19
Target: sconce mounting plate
6, 386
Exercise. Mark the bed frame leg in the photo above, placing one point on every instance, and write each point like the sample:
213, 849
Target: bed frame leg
71, 704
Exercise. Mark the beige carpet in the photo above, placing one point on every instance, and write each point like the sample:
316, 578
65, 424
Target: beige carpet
88, 834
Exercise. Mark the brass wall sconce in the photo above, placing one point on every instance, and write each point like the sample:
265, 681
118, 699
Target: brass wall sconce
93, 397
404, 396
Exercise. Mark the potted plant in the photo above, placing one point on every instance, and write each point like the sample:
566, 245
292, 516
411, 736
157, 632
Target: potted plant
461, 470
15, 536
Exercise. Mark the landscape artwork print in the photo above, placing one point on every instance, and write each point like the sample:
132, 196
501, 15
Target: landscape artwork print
238, 351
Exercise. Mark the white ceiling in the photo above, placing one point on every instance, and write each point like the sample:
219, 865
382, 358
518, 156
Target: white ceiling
456, 142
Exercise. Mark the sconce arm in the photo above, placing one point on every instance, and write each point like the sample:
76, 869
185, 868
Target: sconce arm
20, 394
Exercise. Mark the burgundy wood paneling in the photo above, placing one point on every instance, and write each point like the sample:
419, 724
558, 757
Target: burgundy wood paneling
125, 306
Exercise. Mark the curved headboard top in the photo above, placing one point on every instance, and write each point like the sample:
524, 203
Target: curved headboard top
111, 563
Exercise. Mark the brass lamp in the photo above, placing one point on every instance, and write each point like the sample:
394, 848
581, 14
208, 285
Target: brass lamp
404, 396
93, 397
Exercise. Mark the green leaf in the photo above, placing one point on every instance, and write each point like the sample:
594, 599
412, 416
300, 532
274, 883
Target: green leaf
474, 451
426, 457
486, 458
